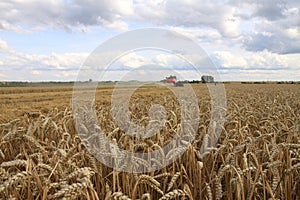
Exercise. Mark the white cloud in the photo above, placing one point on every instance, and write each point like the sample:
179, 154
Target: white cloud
64, 61
67, 74
22, 66
293, 33
259, 75
228, 60
133, 60
3, 44
166, 60
201, 35
257, 66
2, 75
253, 60
230, 26
4, 48
61, 14
240, 65
115, 25
35, 72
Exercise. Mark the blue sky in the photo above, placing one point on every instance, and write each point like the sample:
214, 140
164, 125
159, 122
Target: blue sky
247, 40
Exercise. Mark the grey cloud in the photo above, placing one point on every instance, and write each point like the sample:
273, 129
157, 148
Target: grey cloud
270, 9
273, 22
261, 42
275, 44
193, 13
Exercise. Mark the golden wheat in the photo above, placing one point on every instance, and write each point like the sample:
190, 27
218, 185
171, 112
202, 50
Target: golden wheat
43, 156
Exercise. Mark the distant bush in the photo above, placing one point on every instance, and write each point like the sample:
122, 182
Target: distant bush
194, 81
288, 82
260, 82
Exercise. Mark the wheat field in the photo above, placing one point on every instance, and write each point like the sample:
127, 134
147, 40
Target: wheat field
256, 157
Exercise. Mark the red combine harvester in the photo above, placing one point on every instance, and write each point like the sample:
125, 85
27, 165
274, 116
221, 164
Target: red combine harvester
172, 79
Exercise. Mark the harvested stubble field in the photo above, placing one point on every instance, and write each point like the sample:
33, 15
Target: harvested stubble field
257, 155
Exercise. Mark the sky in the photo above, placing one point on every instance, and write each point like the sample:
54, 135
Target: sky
247, 40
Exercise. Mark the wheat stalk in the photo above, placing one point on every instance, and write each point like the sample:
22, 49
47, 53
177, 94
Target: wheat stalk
173, 195
13, 180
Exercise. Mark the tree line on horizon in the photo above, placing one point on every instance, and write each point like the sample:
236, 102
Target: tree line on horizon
54, 83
